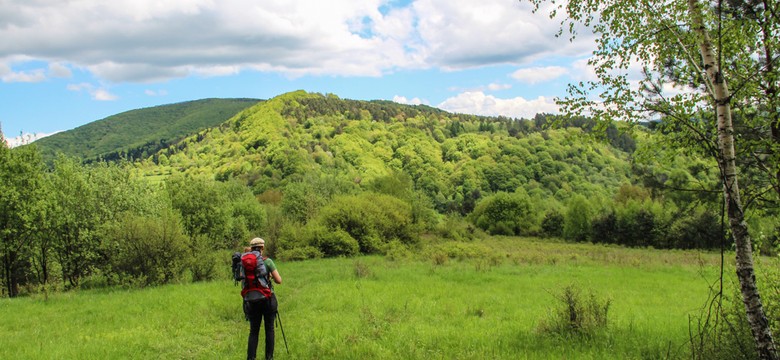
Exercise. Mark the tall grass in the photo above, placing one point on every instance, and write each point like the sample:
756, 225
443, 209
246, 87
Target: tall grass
477, 301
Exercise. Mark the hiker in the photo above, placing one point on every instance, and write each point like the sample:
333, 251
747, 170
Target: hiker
259, 300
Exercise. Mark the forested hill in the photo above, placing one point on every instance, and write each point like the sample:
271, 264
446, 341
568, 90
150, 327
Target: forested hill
139, 133
453, 159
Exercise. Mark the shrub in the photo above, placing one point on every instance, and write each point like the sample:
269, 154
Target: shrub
362, 270
300, 253
150, 249
576, 314
552, 224
697, 229
338, 243
203, 261
203, 266
505, 214
396, 250
370, 219
294, 235
455, 228
637, 224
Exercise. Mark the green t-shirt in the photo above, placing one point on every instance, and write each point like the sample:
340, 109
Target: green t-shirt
269, 264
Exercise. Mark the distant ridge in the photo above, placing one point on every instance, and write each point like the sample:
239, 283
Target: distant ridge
139, 133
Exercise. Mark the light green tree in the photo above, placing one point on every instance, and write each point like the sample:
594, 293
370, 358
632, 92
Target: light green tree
21, 212
576, 223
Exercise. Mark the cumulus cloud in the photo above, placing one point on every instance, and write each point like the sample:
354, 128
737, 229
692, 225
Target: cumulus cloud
103, 95
26, 139
150, 41
413, 101
459, 35
537, 75
31, 76
478, 103
481, 88
146, 40
97, 93
497, 86
59, 70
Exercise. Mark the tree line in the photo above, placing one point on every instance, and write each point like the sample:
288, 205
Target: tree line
75, 225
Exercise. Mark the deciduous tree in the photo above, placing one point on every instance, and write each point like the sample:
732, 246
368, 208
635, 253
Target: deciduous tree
21, 180
701, 51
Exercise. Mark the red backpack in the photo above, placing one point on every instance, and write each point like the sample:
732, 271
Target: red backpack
256, 284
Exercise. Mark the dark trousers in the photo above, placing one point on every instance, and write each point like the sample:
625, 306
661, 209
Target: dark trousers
256, 312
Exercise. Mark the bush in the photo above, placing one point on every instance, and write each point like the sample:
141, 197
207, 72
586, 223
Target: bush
362, 270
552, 224
696, 229
370, 219
338, 243
300, 253
637, 224
396, 250
505, 214
456, 228
149, 250
576, 314
203, 262
294, 235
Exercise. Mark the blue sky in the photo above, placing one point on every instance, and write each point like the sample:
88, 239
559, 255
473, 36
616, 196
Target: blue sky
67, 63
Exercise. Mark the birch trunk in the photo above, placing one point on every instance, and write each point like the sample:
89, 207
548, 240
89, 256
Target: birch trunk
757, 319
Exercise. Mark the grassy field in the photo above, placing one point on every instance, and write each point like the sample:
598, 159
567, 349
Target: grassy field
447, 301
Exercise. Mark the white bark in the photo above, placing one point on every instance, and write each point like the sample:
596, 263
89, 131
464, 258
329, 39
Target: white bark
757, 319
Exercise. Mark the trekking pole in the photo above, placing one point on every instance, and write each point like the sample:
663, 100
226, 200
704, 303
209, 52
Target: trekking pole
279, 320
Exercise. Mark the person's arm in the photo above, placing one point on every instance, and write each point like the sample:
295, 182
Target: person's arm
277, 278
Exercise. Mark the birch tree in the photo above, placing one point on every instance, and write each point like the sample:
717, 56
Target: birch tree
688, 54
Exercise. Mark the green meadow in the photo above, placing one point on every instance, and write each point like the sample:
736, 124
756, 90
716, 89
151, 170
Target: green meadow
449, 300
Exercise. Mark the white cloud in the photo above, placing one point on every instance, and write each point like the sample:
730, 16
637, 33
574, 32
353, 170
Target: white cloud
103, 95
478, 103
124, 39
414, 101
26, 139
59, 70
97, 93
582, 71
79, 87
537, 75
481, 88
462, 33
496, 87
31, 76
8, 75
